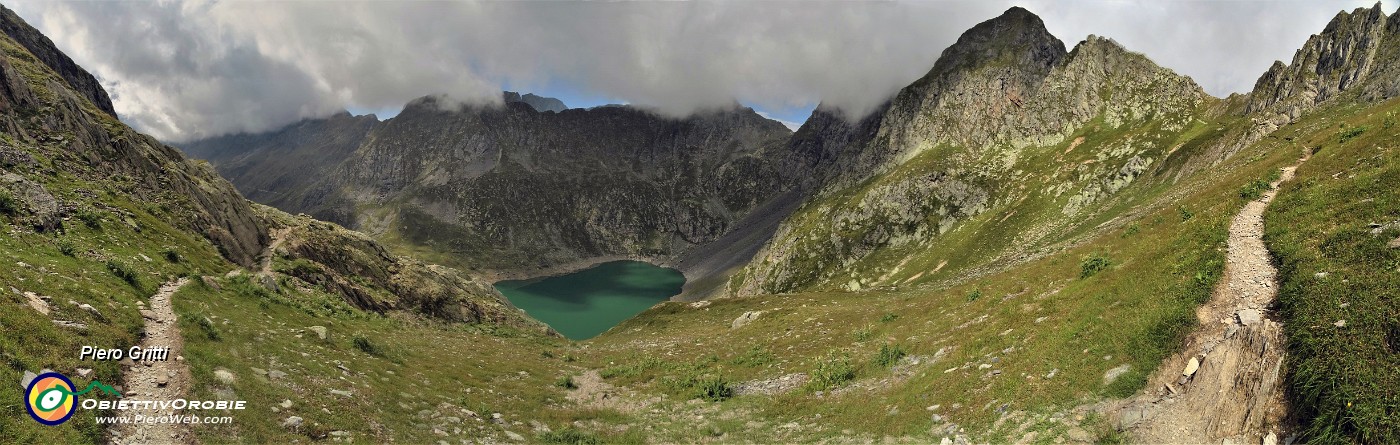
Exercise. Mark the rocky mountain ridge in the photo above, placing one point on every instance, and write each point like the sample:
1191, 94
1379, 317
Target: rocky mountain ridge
1353, 53
514, 189
956, 143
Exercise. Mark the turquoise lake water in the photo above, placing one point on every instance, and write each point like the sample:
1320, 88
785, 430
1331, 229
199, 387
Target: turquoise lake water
583, 304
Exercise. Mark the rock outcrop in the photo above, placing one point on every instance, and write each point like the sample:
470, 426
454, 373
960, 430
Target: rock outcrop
539, 103
48, 107
1356, 52
41, 47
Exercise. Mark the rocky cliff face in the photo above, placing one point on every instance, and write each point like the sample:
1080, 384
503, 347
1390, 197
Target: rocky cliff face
1355, 53
41, 109
970, 136
41, 47
514, 189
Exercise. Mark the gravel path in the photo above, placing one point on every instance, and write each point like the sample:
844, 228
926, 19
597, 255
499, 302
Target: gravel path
157, 380
1227, 383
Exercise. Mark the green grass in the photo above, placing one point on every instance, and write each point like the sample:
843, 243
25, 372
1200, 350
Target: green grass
1344, 381
444, 368
1256, 188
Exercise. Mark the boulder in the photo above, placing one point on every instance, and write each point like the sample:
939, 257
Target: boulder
747, 318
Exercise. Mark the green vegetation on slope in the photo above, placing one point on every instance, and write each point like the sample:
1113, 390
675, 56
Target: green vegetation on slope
1038, 340
67, 269
1335, 230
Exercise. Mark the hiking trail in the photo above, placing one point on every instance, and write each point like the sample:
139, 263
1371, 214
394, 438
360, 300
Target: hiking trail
157, 380
1226, 384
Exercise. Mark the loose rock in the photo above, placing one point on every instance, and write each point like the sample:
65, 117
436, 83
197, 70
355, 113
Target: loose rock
747, 318
1191, 367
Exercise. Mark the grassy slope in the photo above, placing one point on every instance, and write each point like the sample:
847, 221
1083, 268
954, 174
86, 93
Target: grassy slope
1345, 380
1164, 264
406, 376
35, 262
71, 265
1025, 214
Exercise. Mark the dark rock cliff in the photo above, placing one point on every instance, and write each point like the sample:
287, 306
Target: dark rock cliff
41, 47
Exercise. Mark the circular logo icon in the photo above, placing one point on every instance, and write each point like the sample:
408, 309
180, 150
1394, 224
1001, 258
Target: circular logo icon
49, 398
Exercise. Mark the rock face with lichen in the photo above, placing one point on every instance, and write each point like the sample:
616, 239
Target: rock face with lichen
954, 144
1354, 53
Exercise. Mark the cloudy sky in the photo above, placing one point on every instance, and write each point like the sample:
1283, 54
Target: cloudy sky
184, 70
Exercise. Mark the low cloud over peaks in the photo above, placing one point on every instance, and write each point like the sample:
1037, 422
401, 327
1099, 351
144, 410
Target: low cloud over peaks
197, 69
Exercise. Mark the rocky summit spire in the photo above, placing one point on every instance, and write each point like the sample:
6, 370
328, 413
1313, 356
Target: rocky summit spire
1358, 51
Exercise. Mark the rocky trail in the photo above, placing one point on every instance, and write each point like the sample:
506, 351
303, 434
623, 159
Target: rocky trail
278, 236
157, 380
1226, 384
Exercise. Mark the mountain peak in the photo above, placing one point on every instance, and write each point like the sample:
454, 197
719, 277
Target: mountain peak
1016, 37
539, 103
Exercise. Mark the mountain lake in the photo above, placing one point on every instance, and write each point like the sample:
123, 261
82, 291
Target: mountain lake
583, 304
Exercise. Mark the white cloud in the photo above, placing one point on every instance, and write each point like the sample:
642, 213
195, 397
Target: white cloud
182, 70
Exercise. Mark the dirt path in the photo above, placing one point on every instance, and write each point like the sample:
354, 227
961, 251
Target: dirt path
158, 380
278, 236
1234, 390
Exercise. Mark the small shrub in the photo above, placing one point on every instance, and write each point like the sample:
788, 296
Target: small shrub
121, 270
569, 436
207, 326
863, 334
566, 382
67, 248
546, 354
171, 255
8, 204
1185, 214
714, 389
889, 355
1133, 229
363, 344
974, 295
888, 317
1347, 135
89, 217
1093, 264
832, 372
1389, 122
